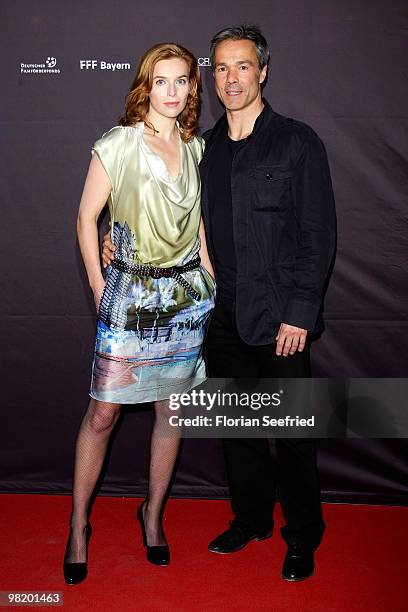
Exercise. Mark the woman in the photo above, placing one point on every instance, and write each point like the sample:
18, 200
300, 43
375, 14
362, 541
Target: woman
154, 304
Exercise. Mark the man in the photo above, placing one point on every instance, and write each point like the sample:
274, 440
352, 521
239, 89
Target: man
269, 215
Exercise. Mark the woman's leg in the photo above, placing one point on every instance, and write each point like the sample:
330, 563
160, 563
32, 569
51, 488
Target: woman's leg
163, 454
90, 452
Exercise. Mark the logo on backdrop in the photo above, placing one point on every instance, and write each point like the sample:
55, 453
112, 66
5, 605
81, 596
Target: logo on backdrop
50, 66
97, 64
47, 67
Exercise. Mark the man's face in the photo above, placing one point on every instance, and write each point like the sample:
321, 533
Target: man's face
236, 73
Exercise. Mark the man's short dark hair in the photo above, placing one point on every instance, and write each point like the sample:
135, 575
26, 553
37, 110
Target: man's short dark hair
243, 32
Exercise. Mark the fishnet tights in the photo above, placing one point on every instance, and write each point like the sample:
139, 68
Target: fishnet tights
92, 442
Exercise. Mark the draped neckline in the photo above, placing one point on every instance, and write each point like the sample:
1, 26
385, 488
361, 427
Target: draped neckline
165, 174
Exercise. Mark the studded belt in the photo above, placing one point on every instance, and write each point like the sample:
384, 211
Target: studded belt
155, 272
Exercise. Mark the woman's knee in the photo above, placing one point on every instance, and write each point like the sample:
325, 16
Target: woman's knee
102, 416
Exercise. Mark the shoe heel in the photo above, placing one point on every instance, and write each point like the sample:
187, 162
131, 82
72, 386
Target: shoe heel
74, 573
157, 555
139, 515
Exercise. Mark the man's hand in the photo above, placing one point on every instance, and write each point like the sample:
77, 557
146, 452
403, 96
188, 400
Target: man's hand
108, 251
290, 339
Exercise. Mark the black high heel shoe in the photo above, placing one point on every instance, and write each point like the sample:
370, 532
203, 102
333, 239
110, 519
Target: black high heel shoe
76, 572
158, 555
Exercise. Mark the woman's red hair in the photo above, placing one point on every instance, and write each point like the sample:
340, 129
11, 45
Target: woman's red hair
137, 100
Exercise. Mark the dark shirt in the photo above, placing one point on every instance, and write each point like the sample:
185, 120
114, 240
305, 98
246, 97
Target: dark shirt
284, 223
220, 200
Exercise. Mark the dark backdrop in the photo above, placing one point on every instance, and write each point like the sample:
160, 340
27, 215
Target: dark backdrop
337, 65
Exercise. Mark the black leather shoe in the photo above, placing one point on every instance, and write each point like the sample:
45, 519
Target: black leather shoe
158, 555
237, 536
299, 561
76, 572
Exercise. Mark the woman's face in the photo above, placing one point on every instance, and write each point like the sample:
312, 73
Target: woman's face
170, 88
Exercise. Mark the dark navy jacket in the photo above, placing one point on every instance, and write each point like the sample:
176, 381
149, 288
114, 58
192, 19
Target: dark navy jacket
284, 224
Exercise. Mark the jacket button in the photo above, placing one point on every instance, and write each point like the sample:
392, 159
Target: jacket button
269, 176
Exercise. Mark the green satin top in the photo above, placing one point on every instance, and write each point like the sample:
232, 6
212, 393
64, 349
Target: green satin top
162, 213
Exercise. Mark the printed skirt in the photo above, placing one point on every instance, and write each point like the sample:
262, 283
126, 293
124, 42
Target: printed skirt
149, 337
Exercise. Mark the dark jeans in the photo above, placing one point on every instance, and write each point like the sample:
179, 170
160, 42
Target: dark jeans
253, 479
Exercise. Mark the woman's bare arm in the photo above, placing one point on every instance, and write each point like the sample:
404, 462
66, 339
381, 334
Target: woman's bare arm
96, 191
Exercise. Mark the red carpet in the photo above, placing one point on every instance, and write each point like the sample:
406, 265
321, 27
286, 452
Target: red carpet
361, 565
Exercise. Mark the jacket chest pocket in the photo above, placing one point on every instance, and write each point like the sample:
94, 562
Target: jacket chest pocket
270, 188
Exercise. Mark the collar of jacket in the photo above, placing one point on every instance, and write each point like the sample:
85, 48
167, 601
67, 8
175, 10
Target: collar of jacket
220, 129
